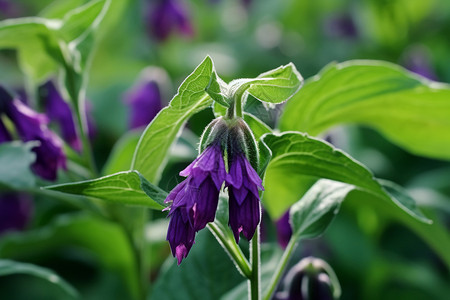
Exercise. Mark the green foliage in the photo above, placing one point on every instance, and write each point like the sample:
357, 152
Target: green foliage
105, 240
151, 153
274, 86
9, 267
312, 214
207, 274
15, 159
409, 110
125, 188
295, 154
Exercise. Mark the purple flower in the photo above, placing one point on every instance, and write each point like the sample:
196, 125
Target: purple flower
341, 27
32, 126
59, 111
284, 230
243, 184
9, 9
144, 102
167, 16
15, 211
418, 61
4, 134
194, 201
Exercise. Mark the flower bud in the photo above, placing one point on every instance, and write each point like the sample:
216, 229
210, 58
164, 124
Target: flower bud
310, 279
242, 140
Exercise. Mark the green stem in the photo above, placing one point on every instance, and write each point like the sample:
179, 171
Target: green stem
232, 250
255, 256
280, 269
136, 237
238, 105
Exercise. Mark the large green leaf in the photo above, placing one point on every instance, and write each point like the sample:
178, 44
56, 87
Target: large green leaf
123, 188
104, 239
409, 110
152, 150
15, 161
296, 155
274, 86
9, 267
207, 273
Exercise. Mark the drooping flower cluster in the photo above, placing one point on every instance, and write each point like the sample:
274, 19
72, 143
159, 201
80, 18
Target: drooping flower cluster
193, 202
32, 126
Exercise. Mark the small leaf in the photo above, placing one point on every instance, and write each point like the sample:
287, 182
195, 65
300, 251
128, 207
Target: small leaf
15, 161
151, 153
9, 267
274, 86
407, 109
312, 214
124, 188
217, 90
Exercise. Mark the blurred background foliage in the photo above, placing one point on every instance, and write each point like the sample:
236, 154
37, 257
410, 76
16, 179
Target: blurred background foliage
372, 256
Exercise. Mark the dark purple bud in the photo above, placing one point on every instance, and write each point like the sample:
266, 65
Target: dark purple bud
166, 16
243, 188
284, 230
32, 126
144, 102
194, 201
340, 27
4, 134
59, 111
15, 211
310, 280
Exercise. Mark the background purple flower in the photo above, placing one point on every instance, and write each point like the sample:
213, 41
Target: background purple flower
145, 102
284, 230
59, 111
10, 9
166, 16
15, 211
417, 60
243, 188
32, 126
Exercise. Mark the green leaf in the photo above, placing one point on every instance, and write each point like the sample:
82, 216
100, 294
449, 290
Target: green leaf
295, 155
274, 86
122, 154
312, 214
258, 127
36, 43
105, 240
125, 188
15, 161
407, 109
59, 8
9, 267
207, 273
217, 89
151, 153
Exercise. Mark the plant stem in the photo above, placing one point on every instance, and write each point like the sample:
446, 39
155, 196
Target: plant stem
136, 237
280, 270
232, 250
255, 256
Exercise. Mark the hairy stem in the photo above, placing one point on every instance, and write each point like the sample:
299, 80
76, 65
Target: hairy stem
255, 257
280, 269
233, 250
